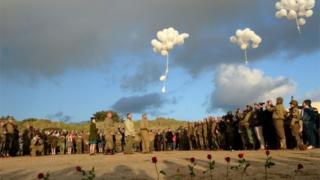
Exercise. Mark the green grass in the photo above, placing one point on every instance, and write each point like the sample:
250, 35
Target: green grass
159, 123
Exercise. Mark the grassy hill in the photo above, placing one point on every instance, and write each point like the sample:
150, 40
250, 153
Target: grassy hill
159, 123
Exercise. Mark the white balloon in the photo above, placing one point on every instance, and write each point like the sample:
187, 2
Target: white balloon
244, 46
309, 13
302, 21
310, 4
278, 5
283, 12
155, 50
170, 45
163, 78
292, 4
254, 45
278, 14
233, 39
292, 14
161, 36
239, 32
163, 90
164, 52
185, 35
302, 13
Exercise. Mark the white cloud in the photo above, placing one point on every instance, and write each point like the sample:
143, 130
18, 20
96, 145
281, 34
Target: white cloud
238, 85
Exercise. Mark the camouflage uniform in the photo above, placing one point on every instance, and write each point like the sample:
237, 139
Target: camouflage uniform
144, 130
79, 142
130, 136
296, 123
205, 135
118, 137
108, 129
151, 135
62, 144
278, 117
36, 146
244, 127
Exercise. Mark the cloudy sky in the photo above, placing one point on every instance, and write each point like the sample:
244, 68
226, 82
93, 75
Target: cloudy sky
66, 59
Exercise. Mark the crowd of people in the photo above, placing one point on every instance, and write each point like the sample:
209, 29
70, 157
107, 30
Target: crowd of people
261, 126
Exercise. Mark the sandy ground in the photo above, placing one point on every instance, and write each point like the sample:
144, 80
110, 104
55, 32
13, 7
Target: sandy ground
139, 166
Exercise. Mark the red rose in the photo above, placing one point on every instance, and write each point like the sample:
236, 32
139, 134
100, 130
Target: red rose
192, 160
300, 166
78, 168
227, 159
240, 155
209, 156
40, 175
154, 159
267, 152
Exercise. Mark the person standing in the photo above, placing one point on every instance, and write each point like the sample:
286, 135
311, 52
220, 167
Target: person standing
9, 136
129, 134
62, 143
69, 143
257, 123
309, 123
278, 117
296, 123
244, 127
93, 136
144, 130
169, 138
109, 131
79, 142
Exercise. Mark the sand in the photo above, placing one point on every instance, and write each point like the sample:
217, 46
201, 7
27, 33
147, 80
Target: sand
174, 163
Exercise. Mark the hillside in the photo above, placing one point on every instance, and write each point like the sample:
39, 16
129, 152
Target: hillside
159, 123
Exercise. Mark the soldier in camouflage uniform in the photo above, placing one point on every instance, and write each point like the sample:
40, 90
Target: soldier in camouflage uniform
278, 117
244, 127
36, 146
62, 144
296, 124
79, 143
144, 131
200, 135
151, 135
118, 137
108, 128
205, 133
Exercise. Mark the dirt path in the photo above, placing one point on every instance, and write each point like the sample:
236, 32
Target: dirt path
139, 166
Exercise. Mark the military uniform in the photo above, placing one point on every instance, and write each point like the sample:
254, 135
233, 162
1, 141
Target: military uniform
244, 127
278, 117
36, 146
118, 138
62, 144
144, 130
296, 124
130, 134
151, 136
205, 135
79, 142
108, 128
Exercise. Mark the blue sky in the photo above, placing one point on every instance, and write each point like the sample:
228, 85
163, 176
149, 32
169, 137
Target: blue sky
63, 60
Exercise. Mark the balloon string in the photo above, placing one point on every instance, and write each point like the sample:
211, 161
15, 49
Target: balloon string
298, 26
245, 56
166, 74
